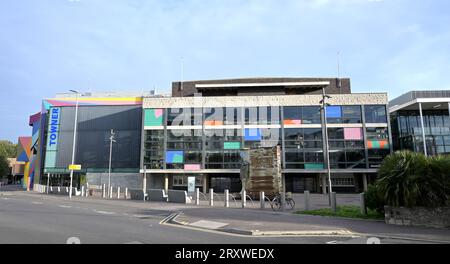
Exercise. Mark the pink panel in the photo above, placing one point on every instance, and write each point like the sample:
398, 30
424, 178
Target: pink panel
352, 133
158, 112
192, 167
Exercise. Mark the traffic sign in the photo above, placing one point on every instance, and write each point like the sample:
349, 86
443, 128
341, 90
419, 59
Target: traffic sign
75, 167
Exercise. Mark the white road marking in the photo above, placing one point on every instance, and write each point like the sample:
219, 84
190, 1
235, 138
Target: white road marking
104, 212
332, 242
65, 206
36, 202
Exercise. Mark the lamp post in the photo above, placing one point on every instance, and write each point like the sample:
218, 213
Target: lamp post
327, 151
74, 141
111, 140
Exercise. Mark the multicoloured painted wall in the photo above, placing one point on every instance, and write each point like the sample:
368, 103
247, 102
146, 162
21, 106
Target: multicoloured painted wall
24, 155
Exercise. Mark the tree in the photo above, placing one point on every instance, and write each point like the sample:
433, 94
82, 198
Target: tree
4, 166
8, 149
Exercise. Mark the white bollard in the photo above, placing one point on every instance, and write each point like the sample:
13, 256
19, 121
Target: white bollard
197, 196
110, 192
126, 193
262, 200
227, 199
104, 191
244, 199
307, 201
211, 197
118, 193
82, 191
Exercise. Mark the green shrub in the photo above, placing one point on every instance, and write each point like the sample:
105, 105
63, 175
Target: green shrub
410, 179
374, 199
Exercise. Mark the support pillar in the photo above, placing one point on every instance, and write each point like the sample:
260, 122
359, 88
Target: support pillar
324, 184
166, 183
364, 178
205, 183
423, 130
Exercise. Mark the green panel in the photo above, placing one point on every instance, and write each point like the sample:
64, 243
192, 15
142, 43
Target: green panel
50, 159
232, 145
153, 117
314, 166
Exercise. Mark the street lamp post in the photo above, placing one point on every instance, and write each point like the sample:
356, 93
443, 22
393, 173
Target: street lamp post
327, 151
111, 140
74, 142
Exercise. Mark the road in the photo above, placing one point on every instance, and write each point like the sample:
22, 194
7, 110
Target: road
40, 219
49, 220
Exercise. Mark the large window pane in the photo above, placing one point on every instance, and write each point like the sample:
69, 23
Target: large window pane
375, 113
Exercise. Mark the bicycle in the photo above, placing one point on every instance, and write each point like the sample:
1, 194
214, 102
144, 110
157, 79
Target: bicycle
276, 203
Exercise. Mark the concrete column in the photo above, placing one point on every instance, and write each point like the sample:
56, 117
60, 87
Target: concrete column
227, 199
324, 184
307, 201
205, 183
166, 183
244, 199
262, 200
211, 197
364, 178
423, 130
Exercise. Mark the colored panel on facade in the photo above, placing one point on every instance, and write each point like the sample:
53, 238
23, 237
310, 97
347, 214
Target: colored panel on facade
292, 122
314, 166
252, 134
353, 133
232, 145
378, 144
174, 157
192, 167
153, 117
71, 101
213, 123
334, 112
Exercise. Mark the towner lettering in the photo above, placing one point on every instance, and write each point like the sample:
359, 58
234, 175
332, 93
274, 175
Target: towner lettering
53, 129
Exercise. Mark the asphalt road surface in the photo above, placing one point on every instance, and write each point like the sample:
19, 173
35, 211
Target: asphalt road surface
40, 219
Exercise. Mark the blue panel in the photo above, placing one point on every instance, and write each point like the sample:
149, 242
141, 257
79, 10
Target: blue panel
334, 112
252, 134
174, 157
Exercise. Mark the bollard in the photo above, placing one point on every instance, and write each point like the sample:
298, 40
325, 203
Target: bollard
104, 191
307, 201
197, 196
362, 204
82, 191
211, 197
118, 193
333, 202
227, 199
110, 192
244, 199
126, 193
261, 199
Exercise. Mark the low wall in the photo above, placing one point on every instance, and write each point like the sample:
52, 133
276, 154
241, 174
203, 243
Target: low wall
175, 196
157, 195
418, 216
136, 194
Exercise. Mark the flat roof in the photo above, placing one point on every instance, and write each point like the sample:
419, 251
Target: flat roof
430, 100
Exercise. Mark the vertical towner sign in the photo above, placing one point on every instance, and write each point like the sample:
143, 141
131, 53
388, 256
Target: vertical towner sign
52, 137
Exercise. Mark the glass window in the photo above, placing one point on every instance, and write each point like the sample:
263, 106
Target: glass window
375, 113
311, 115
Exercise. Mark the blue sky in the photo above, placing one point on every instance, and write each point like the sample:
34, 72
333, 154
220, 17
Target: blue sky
50, 46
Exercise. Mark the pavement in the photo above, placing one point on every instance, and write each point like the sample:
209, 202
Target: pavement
27, 217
